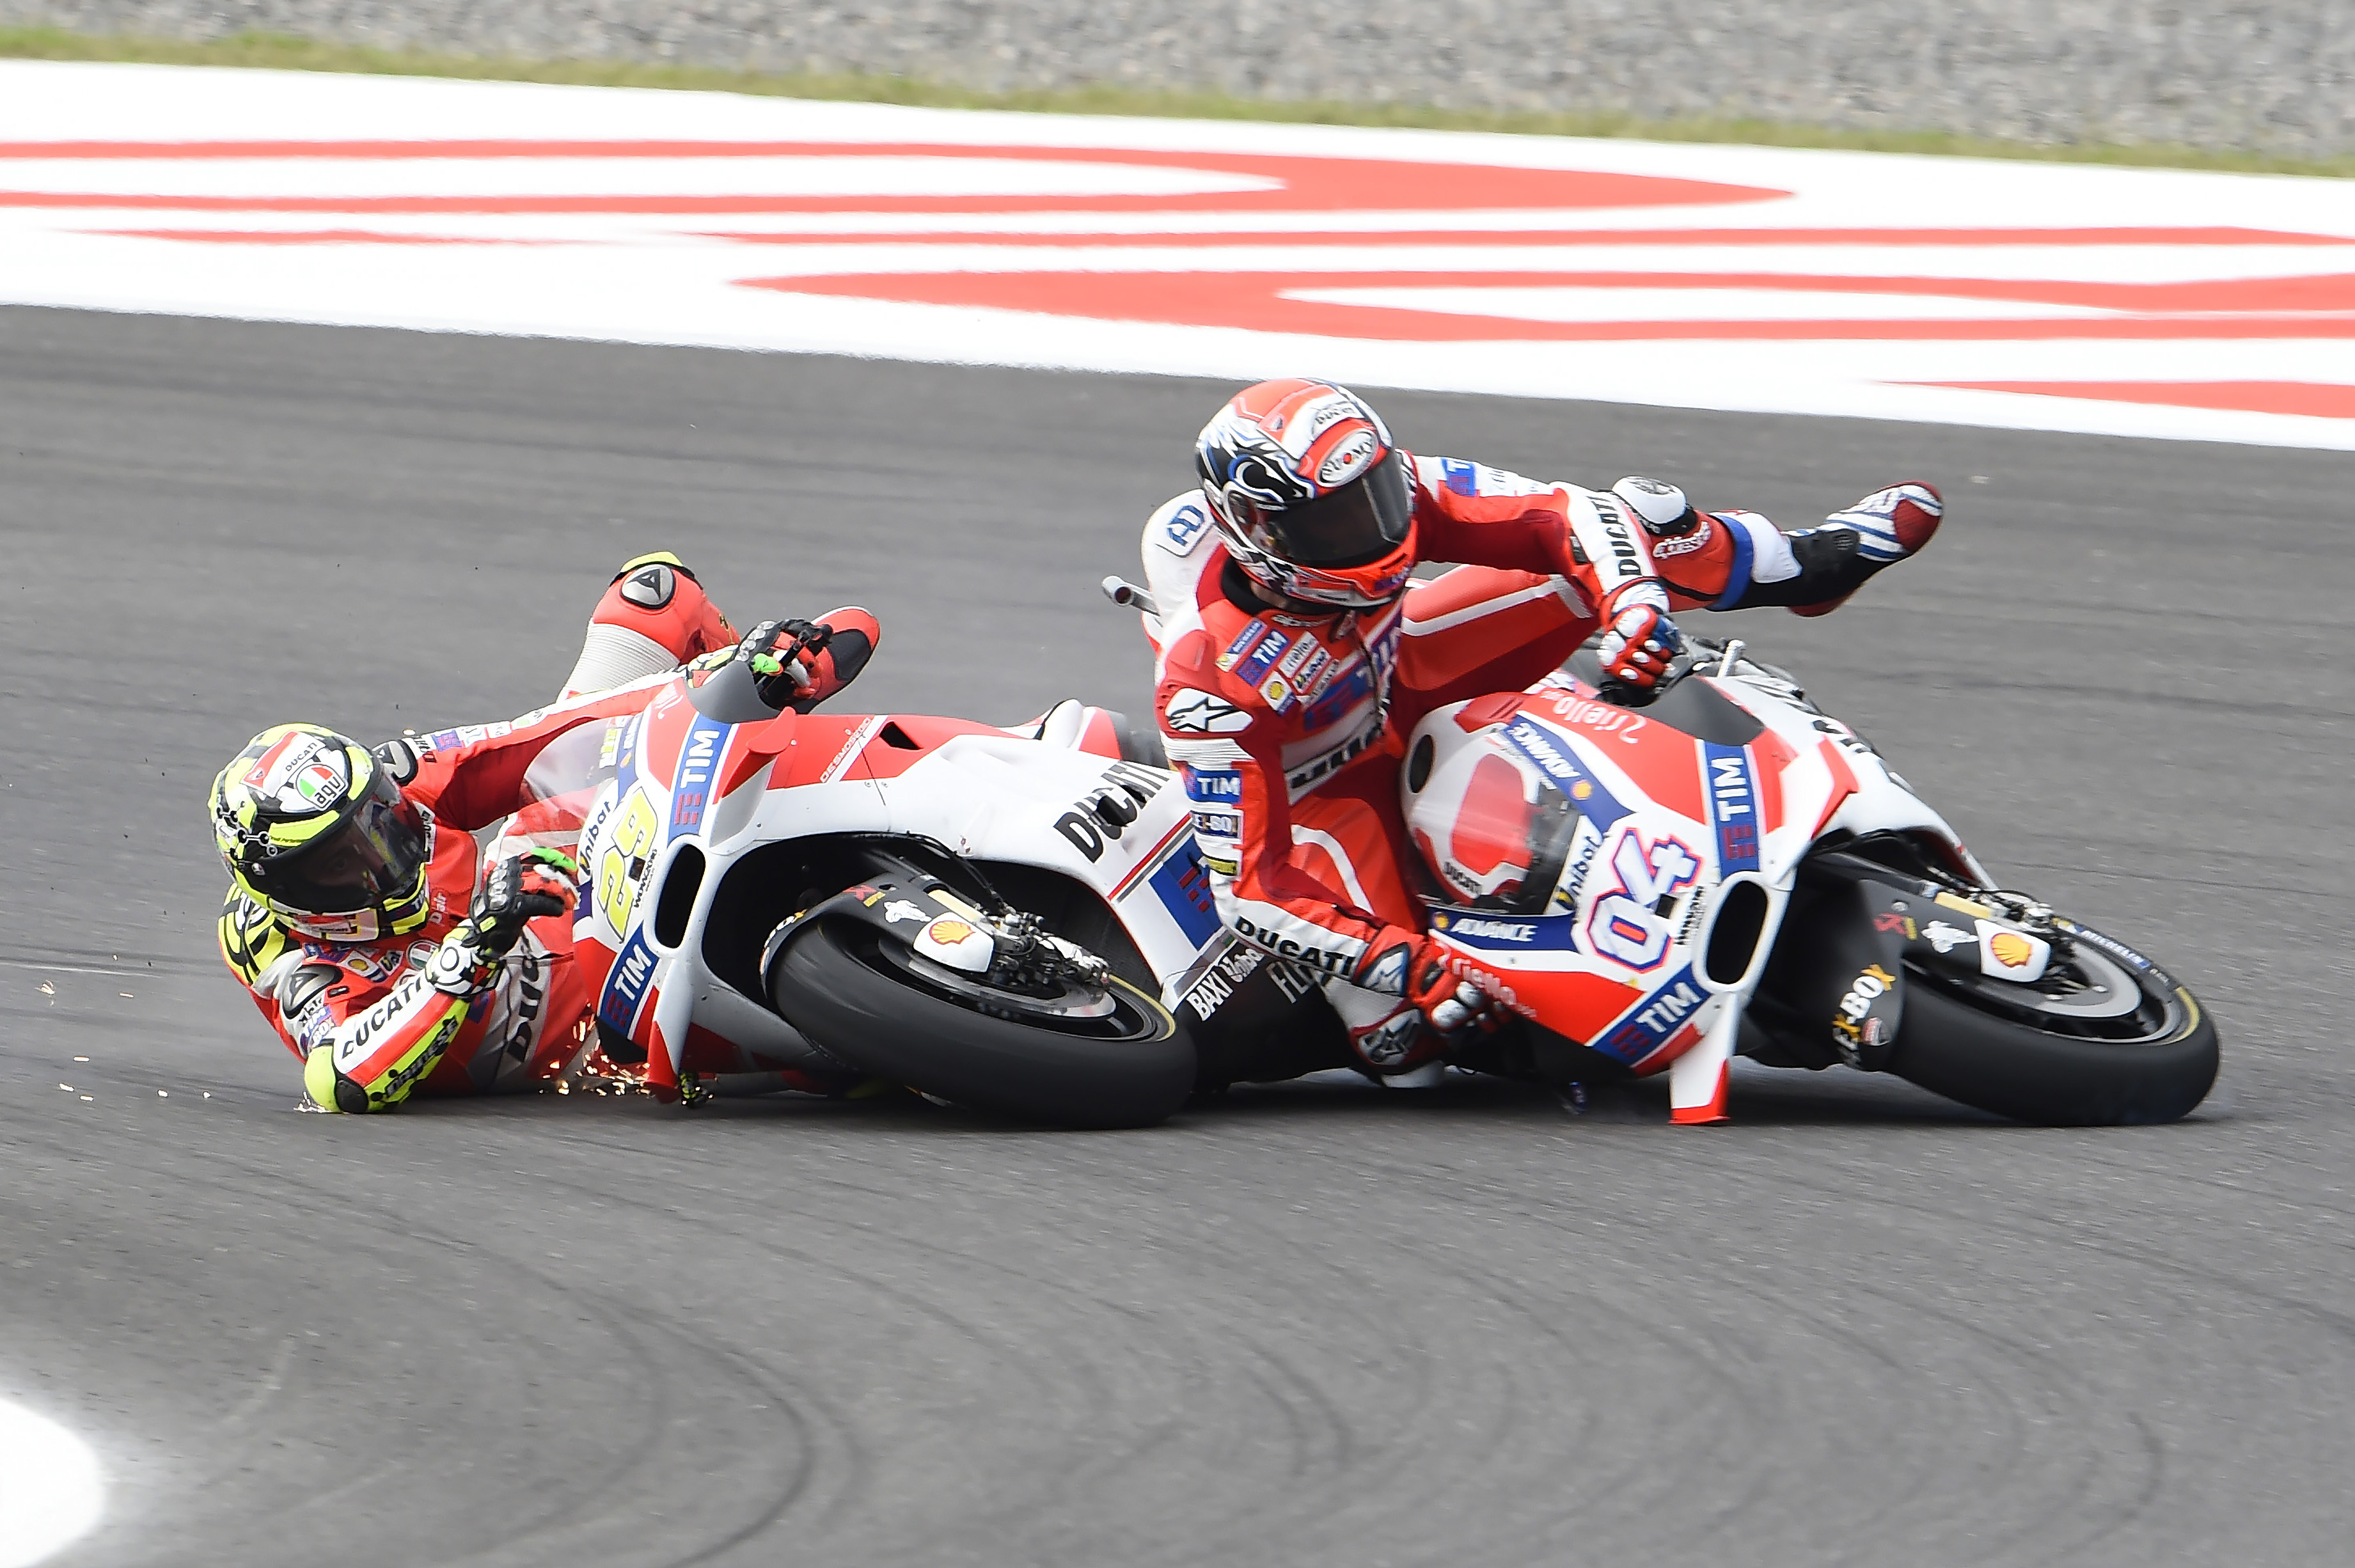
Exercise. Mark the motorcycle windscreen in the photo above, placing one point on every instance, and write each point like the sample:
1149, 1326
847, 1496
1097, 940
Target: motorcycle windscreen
1494, 831
562, 783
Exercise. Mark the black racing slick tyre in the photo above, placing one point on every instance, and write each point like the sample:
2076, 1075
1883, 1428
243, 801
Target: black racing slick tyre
2127, 1045
1125, 1065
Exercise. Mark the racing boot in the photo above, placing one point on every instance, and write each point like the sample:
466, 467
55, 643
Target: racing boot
654, 617
1880, 530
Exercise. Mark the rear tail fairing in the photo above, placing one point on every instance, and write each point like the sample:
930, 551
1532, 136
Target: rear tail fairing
711, 833
1665, 850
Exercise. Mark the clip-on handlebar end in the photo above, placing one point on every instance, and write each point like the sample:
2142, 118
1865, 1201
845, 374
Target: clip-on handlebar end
1128, 595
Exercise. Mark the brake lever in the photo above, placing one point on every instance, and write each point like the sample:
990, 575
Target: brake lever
1625, 696
1620, 695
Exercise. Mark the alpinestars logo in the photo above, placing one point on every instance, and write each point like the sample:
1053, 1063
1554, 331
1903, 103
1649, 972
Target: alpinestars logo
1192, 713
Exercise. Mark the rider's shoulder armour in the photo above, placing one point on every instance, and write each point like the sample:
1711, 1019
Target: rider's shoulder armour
251, 939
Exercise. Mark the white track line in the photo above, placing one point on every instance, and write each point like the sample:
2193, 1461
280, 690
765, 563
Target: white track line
2047, 296
50, 1489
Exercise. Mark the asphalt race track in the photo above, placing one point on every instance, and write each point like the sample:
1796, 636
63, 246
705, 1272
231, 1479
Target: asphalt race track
1313, 1324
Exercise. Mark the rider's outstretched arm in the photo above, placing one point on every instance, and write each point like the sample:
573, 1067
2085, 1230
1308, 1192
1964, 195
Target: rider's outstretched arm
1739, 560
364, 1049
472, 776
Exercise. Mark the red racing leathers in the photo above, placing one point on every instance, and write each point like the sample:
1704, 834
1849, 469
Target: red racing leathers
371, 1004
1288, 728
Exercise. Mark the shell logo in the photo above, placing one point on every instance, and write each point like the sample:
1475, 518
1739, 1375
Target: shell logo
948, 930
2010, 950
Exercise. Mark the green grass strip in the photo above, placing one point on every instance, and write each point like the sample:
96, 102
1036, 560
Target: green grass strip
274, 51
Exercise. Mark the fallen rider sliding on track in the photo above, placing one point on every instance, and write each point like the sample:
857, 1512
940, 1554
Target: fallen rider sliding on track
392, 956
1295, 657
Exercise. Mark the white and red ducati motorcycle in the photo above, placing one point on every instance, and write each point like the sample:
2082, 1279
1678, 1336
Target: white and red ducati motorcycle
1019, 921
1727, 869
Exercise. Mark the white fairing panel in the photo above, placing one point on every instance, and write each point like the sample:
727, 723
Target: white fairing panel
1122, 829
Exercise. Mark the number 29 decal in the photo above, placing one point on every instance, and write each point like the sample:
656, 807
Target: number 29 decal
637, 828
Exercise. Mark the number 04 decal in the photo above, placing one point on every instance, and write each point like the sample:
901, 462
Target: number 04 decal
1628, 924
636, 829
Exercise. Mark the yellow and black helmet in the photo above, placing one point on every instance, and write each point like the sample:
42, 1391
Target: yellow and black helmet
312, 825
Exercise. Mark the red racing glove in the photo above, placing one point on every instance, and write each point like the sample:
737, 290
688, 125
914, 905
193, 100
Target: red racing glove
781, 653
1638, 638
1452, 995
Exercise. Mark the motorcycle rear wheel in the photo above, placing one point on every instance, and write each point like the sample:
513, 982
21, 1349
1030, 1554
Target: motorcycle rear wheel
2129, 1048
1092, 1057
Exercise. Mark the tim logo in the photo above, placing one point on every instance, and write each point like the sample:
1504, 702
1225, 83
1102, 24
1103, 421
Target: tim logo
625, 988
1211, 785
692, 787
1734, 806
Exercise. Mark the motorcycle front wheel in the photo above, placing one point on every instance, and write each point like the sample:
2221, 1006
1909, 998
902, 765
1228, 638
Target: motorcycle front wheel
1073, 1055
2104, 1040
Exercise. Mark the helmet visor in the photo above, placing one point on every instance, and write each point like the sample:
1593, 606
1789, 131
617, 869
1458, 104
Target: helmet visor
1362, 521
374, 857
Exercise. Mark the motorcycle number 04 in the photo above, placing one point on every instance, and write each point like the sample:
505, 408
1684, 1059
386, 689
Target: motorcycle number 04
1728, 870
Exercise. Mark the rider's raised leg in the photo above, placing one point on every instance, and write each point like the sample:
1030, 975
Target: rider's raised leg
654, 617
1478, 630
1348, 837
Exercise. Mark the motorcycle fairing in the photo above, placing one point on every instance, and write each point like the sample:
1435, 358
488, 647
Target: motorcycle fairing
692, 795
1668, 816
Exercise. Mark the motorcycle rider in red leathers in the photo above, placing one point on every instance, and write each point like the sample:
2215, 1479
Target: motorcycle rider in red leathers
388, 954
1294, 656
